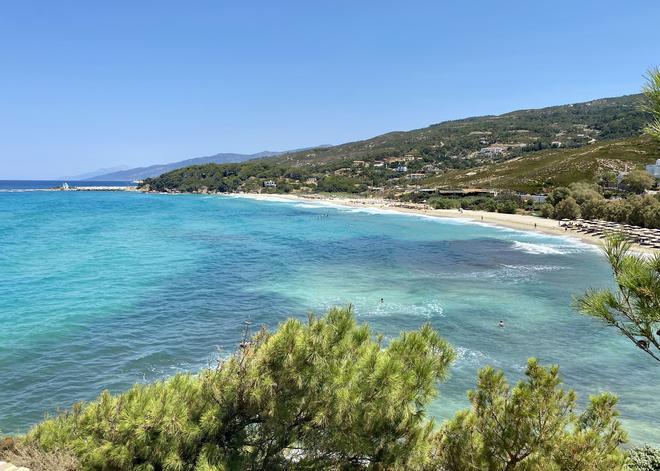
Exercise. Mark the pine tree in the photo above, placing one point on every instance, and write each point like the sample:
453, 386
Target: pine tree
532, 426
317, 395
634, 308
652, 105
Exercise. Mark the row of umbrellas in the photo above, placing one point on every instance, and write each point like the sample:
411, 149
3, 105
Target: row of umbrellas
596, 227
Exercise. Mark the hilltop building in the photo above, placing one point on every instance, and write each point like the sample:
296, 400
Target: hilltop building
654, 169
492, 150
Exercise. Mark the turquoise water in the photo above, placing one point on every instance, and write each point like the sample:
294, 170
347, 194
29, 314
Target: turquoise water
101, 290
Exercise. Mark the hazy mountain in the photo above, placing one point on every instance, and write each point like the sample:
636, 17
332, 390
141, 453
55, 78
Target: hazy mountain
140, 173
101, 171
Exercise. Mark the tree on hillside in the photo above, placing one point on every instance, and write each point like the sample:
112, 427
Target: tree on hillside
582, 192
634, 308
325, 394
532, 426
652, 103
558, 194
638, 181
567, 208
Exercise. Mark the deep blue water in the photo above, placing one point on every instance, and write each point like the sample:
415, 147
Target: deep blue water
100, 290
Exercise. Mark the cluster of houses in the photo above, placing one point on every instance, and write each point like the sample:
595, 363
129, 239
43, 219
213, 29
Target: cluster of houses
399, 165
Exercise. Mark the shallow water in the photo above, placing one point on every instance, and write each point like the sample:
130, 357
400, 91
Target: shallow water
100, 290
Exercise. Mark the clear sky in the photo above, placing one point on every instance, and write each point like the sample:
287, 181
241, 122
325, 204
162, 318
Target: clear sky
86, 85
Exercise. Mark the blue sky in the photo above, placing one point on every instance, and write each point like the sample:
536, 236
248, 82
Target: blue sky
86, 85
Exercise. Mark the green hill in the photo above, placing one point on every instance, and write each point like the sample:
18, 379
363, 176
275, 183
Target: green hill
441, 154
453, 143
555, 167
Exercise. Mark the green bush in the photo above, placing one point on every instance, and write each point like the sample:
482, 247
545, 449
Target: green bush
328, 394
443, 203
567, 209
547, 210
638, 181
314, 395
508, 207
532, 426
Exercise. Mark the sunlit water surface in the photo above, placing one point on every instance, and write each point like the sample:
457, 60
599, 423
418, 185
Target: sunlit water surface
102, 290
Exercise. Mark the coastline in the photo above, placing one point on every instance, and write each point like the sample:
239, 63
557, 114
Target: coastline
510, 221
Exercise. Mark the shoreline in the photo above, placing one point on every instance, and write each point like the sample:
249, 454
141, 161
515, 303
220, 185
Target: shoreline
521, 222
510, 221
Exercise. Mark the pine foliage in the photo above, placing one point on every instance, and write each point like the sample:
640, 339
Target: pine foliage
532, 426
634, 308
315, 395
652, 102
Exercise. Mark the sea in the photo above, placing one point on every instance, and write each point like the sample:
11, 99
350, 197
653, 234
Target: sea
100, 290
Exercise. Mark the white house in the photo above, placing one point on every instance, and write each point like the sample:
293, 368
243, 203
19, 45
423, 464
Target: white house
270, 184
402, 169
492, 150
654, 169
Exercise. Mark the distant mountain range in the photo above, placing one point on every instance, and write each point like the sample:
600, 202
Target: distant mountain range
95, 173
140, 173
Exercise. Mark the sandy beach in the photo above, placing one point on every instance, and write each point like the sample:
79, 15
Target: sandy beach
511, 221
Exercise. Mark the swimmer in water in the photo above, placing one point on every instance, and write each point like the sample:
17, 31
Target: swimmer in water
501, 324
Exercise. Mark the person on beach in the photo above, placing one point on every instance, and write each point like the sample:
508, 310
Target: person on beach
501, 324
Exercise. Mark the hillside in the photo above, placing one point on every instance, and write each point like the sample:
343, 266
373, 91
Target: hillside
472, 141
555, 167
444, 154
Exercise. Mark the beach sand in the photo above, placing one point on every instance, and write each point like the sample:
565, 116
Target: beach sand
512, 221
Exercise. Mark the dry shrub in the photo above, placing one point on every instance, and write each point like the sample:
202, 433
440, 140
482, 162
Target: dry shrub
33, 457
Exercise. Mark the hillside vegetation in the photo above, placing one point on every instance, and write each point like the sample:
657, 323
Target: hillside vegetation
400, 160
555, 167
571, 125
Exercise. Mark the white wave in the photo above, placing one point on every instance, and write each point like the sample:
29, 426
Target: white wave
23, 190
510, 273
538, 249
468, 357
534, 267
307, 206
372, 308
